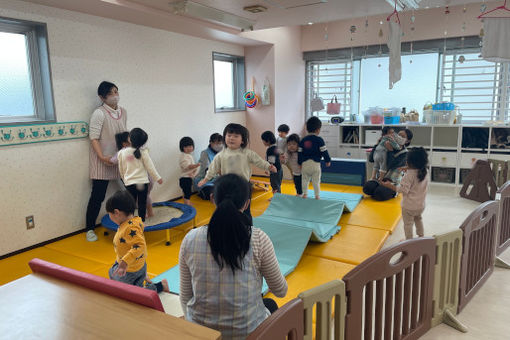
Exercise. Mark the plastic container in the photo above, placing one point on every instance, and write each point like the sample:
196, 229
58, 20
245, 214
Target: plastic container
392, 120
427, 116
444, 117
444, 106
376, 119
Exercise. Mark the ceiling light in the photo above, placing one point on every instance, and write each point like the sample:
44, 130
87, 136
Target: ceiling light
404, 4
199, 11
310, 23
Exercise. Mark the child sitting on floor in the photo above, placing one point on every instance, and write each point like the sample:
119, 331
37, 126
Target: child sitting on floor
413, 187
311, 150
189, 169
290, 158
273, 157
386, 143
129, 244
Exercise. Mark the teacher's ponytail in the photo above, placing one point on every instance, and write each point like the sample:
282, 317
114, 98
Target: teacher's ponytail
229, 230
138, 138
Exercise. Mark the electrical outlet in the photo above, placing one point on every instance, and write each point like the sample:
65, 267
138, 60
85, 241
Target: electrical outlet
30, 222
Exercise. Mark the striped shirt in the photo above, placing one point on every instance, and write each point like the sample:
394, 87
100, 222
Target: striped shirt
104, 124
231, 304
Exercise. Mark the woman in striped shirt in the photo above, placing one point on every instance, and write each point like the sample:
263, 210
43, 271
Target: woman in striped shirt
222, 266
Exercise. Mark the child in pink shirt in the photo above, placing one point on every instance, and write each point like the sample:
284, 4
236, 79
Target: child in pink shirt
413, 187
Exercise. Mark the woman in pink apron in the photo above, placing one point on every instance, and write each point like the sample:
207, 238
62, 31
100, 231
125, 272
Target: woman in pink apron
106, 121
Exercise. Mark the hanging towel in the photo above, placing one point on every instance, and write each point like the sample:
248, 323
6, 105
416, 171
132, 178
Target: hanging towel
395, 66
496, 39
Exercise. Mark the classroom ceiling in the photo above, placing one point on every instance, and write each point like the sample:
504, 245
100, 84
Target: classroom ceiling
300, 12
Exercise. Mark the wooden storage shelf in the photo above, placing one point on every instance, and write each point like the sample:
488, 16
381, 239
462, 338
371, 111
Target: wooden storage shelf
434, 138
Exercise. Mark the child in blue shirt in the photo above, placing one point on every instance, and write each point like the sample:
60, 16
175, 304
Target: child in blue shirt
273, 157
311, 150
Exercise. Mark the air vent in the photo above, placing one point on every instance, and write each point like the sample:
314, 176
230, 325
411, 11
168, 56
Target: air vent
255, 9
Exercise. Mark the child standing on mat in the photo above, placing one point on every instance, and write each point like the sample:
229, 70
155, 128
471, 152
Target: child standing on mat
236, 158
135, 166
273, 157
413, 187
129, 243
189, 169
281, 141
387, 143
122, 140
290, 158
311, 150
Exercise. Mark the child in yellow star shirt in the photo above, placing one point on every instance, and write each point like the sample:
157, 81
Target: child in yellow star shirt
129, 243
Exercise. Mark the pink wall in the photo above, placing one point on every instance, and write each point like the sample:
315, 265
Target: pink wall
429, 24
260, 65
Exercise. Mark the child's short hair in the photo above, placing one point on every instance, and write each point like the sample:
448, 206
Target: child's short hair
386, 130
121, 138
215, 138
293, 138
104, 88
284, 128
313, 124
186, 141
409, 135
268, 137
122, 201
237, 129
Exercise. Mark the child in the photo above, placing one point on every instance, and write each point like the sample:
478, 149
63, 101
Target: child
386, 143
235, 158
189, 169
281, 141
311, 150
122, 140
413, 187
273, 157
135, 166
290, 158
129, 244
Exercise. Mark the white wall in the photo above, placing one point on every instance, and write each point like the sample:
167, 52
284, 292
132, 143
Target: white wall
165, 83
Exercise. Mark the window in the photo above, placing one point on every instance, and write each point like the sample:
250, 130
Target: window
477, 86
439, 70
417, 86
329, 79
229, 83
25, 83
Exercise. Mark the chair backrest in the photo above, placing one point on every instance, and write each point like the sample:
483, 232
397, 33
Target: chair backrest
504, 218
141, 296
285, 323
478, 250
390, 293
321, 297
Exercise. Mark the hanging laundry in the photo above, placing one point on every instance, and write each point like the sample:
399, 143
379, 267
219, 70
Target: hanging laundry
496, 38
394, 46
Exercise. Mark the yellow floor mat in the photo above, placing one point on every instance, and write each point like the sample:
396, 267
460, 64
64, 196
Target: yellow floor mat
312, 271
374, 214
353, 244
363, 233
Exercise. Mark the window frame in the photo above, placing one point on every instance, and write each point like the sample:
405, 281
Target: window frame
39, 70
238, 81
468, 44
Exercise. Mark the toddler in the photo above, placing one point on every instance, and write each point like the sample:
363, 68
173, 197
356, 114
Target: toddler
386, 143
273, 157
189, 169
281, 141
290, 158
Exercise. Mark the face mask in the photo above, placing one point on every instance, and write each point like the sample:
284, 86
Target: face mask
217, 147
112, 100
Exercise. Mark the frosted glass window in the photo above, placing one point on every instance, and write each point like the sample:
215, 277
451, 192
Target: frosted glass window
224, 84
16, 95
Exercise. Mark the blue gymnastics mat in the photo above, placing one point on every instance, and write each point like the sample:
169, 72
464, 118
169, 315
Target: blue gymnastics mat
290, 222
351, 201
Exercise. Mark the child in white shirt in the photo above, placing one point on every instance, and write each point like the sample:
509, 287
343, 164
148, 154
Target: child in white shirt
135, 166
290, 159
281, 141
189, 169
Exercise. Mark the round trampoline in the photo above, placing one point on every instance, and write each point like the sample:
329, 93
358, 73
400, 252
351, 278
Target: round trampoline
167, 215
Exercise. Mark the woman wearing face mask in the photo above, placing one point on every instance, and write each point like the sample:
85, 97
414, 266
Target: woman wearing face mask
106, 121
206, 157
